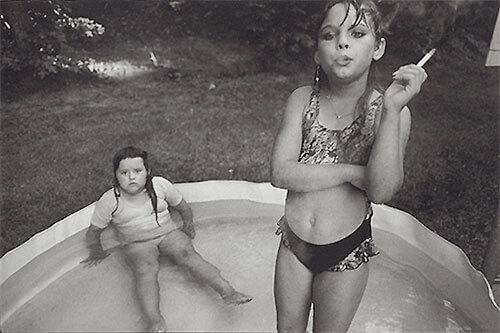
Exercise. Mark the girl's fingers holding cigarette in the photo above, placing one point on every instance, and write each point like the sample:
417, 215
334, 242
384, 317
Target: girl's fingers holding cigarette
406, 77
407, 82
410, 79
419, 72
402, 68
416, 70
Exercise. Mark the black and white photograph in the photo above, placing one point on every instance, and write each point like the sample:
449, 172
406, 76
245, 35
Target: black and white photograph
249, 166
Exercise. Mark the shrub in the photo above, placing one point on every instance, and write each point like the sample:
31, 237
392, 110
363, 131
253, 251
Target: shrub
37, 34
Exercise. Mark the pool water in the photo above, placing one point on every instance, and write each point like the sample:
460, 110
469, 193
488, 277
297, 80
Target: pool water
398, 297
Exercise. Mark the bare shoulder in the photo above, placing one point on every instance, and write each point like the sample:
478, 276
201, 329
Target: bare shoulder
298, 100
301, 93
288, 138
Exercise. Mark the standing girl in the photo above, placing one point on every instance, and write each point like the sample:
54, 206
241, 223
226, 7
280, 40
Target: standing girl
340, 147
138, 206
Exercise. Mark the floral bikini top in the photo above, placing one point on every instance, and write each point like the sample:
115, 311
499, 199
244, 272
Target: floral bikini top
352, 144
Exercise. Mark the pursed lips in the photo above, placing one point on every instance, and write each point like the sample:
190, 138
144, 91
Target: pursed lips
343, 60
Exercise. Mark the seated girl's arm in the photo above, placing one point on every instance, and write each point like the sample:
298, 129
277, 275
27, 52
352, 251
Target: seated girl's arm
176, 202
187, 217
384, 172
99, 221
93, 239
286, 171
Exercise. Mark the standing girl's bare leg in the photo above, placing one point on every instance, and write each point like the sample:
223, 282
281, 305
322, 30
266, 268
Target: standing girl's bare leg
178, 246
292, 292
143, 260
336, 297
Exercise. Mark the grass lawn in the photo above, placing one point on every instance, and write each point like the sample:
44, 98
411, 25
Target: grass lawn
218, 120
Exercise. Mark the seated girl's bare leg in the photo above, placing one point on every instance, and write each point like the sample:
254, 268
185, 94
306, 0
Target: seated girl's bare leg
292, 292
178, 246
143, 260
336, 297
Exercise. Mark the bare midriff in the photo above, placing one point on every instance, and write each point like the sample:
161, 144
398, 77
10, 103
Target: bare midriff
326, 216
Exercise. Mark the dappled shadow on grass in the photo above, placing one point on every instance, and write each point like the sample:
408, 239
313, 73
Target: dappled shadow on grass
19, 85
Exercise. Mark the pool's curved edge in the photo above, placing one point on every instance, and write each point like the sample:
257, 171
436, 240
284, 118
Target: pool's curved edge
16, 258
470, 283
416, 233
214, 190
194, 192
412, 232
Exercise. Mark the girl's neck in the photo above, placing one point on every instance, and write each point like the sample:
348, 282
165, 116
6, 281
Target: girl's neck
352, 90
132, 196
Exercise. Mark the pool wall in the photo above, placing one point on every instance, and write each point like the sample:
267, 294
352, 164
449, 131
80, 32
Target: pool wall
31, 267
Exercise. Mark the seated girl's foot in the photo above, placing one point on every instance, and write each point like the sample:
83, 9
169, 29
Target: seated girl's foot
236, 298
158, 326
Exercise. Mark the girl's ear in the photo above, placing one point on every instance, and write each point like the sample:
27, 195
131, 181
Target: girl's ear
379, 49
316, 58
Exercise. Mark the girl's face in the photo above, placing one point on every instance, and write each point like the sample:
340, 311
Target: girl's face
132, 175
345, 52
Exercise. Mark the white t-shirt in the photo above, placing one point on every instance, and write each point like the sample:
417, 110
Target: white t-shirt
138, 222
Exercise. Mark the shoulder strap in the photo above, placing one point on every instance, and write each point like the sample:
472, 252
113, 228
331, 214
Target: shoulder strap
371, 108
117, 194
374, 111
312, 110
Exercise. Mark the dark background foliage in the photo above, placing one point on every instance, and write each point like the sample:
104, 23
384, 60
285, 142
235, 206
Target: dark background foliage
34, 38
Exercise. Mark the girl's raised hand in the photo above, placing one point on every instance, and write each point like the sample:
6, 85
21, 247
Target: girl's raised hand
406, 85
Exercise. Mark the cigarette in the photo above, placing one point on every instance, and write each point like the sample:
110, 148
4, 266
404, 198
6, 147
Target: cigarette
426, 57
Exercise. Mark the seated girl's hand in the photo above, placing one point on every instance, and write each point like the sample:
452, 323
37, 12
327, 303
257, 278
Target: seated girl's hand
406, 85
188, 229
95, 258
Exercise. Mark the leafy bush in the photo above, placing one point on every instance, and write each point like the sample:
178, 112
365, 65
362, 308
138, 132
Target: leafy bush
416, 26
279, 28
288, 28
36, 34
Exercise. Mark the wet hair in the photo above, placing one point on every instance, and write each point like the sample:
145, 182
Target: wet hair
366, 11
133, 152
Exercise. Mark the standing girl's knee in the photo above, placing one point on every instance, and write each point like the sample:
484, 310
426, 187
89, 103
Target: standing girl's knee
290, 325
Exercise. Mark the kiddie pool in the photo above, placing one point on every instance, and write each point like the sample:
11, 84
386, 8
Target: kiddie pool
419, 282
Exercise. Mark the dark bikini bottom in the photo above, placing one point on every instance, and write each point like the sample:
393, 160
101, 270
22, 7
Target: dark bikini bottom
347, 253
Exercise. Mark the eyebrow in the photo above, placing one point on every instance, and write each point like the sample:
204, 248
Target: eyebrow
360, 24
